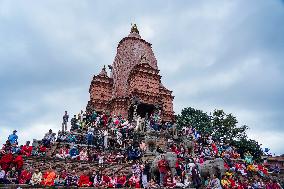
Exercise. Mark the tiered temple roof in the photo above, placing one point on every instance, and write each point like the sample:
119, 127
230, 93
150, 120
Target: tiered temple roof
134, 74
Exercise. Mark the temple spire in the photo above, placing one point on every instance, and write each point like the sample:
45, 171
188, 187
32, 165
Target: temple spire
103, 72
134, 29
134, 32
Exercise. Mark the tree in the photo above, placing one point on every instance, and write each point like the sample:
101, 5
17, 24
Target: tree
221, 126
194, 118
248, 145
224, 126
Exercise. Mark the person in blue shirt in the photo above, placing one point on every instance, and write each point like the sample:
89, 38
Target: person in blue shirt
13, 138
74, 152
15, 148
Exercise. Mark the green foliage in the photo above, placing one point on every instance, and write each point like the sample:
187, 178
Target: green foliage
194, 118
224, 126
248, 145
221, 126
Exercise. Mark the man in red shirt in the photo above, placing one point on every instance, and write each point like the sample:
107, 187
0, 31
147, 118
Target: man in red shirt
120, 181
27, 149
163, 167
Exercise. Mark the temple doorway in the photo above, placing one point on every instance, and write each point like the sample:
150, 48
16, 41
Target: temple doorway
142, 110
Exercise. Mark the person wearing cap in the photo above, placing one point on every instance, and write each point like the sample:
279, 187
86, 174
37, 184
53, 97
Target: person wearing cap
13, 138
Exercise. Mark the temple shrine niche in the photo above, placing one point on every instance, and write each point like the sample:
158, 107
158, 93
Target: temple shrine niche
134, 83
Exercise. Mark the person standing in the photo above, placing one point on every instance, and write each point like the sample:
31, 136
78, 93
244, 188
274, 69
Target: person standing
65, 120
162, 165
2, 176
105, 139
215, 183
13, 138
196, 177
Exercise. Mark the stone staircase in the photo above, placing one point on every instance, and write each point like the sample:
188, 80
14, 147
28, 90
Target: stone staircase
44, 163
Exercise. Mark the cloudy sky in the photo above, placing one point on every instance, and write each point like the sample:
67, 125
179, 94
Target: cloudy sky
213, 54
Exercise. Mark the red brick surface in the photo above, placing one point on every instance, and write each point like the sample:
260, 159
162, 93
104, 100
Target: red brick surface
134, 73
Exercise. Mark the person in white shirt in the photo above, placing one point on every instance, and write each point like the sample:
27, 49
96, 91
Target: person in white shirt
63, 153
105, 139
36, 178
178, 182
215, 182
101, 160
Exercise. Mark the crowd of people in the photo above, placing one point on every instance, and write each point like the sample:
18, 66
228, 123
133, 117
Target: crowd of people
108, 140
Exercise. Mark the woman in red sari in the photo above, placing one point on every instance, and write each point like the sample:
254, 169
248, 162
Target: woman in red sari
5, 161
84, 180
25, 176
19, 162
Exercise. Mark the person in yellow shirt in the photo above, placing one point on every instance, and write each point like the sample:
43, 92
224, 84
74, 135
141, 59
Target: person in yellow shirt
226, 184
251, 168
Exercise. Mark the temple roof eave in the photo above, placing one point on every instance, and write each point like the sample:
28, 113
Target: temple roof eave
144, 68
134, 38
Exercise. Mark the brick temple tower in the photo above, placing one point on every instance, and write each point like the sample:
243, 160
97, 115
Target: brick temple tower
134, 81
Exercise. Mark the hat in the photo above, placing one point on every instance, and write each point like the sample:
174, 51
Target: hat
14, 131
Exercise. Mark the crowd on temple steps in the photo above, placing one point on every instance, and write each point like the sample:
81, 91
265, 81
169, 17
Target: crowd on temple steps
109, 140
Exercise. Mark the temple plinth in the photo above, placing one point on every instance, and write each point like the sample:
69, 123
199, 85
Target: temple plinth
134, 80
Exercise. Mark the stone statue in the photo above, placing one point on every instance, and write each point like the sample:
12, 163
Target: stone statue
142, 125
211, 167
134, 29
175, 132
110, 67
171, 159
135, 112
189, 144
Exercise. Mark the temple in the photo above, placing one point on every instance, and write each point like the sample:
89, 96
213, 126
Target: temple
134, 82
